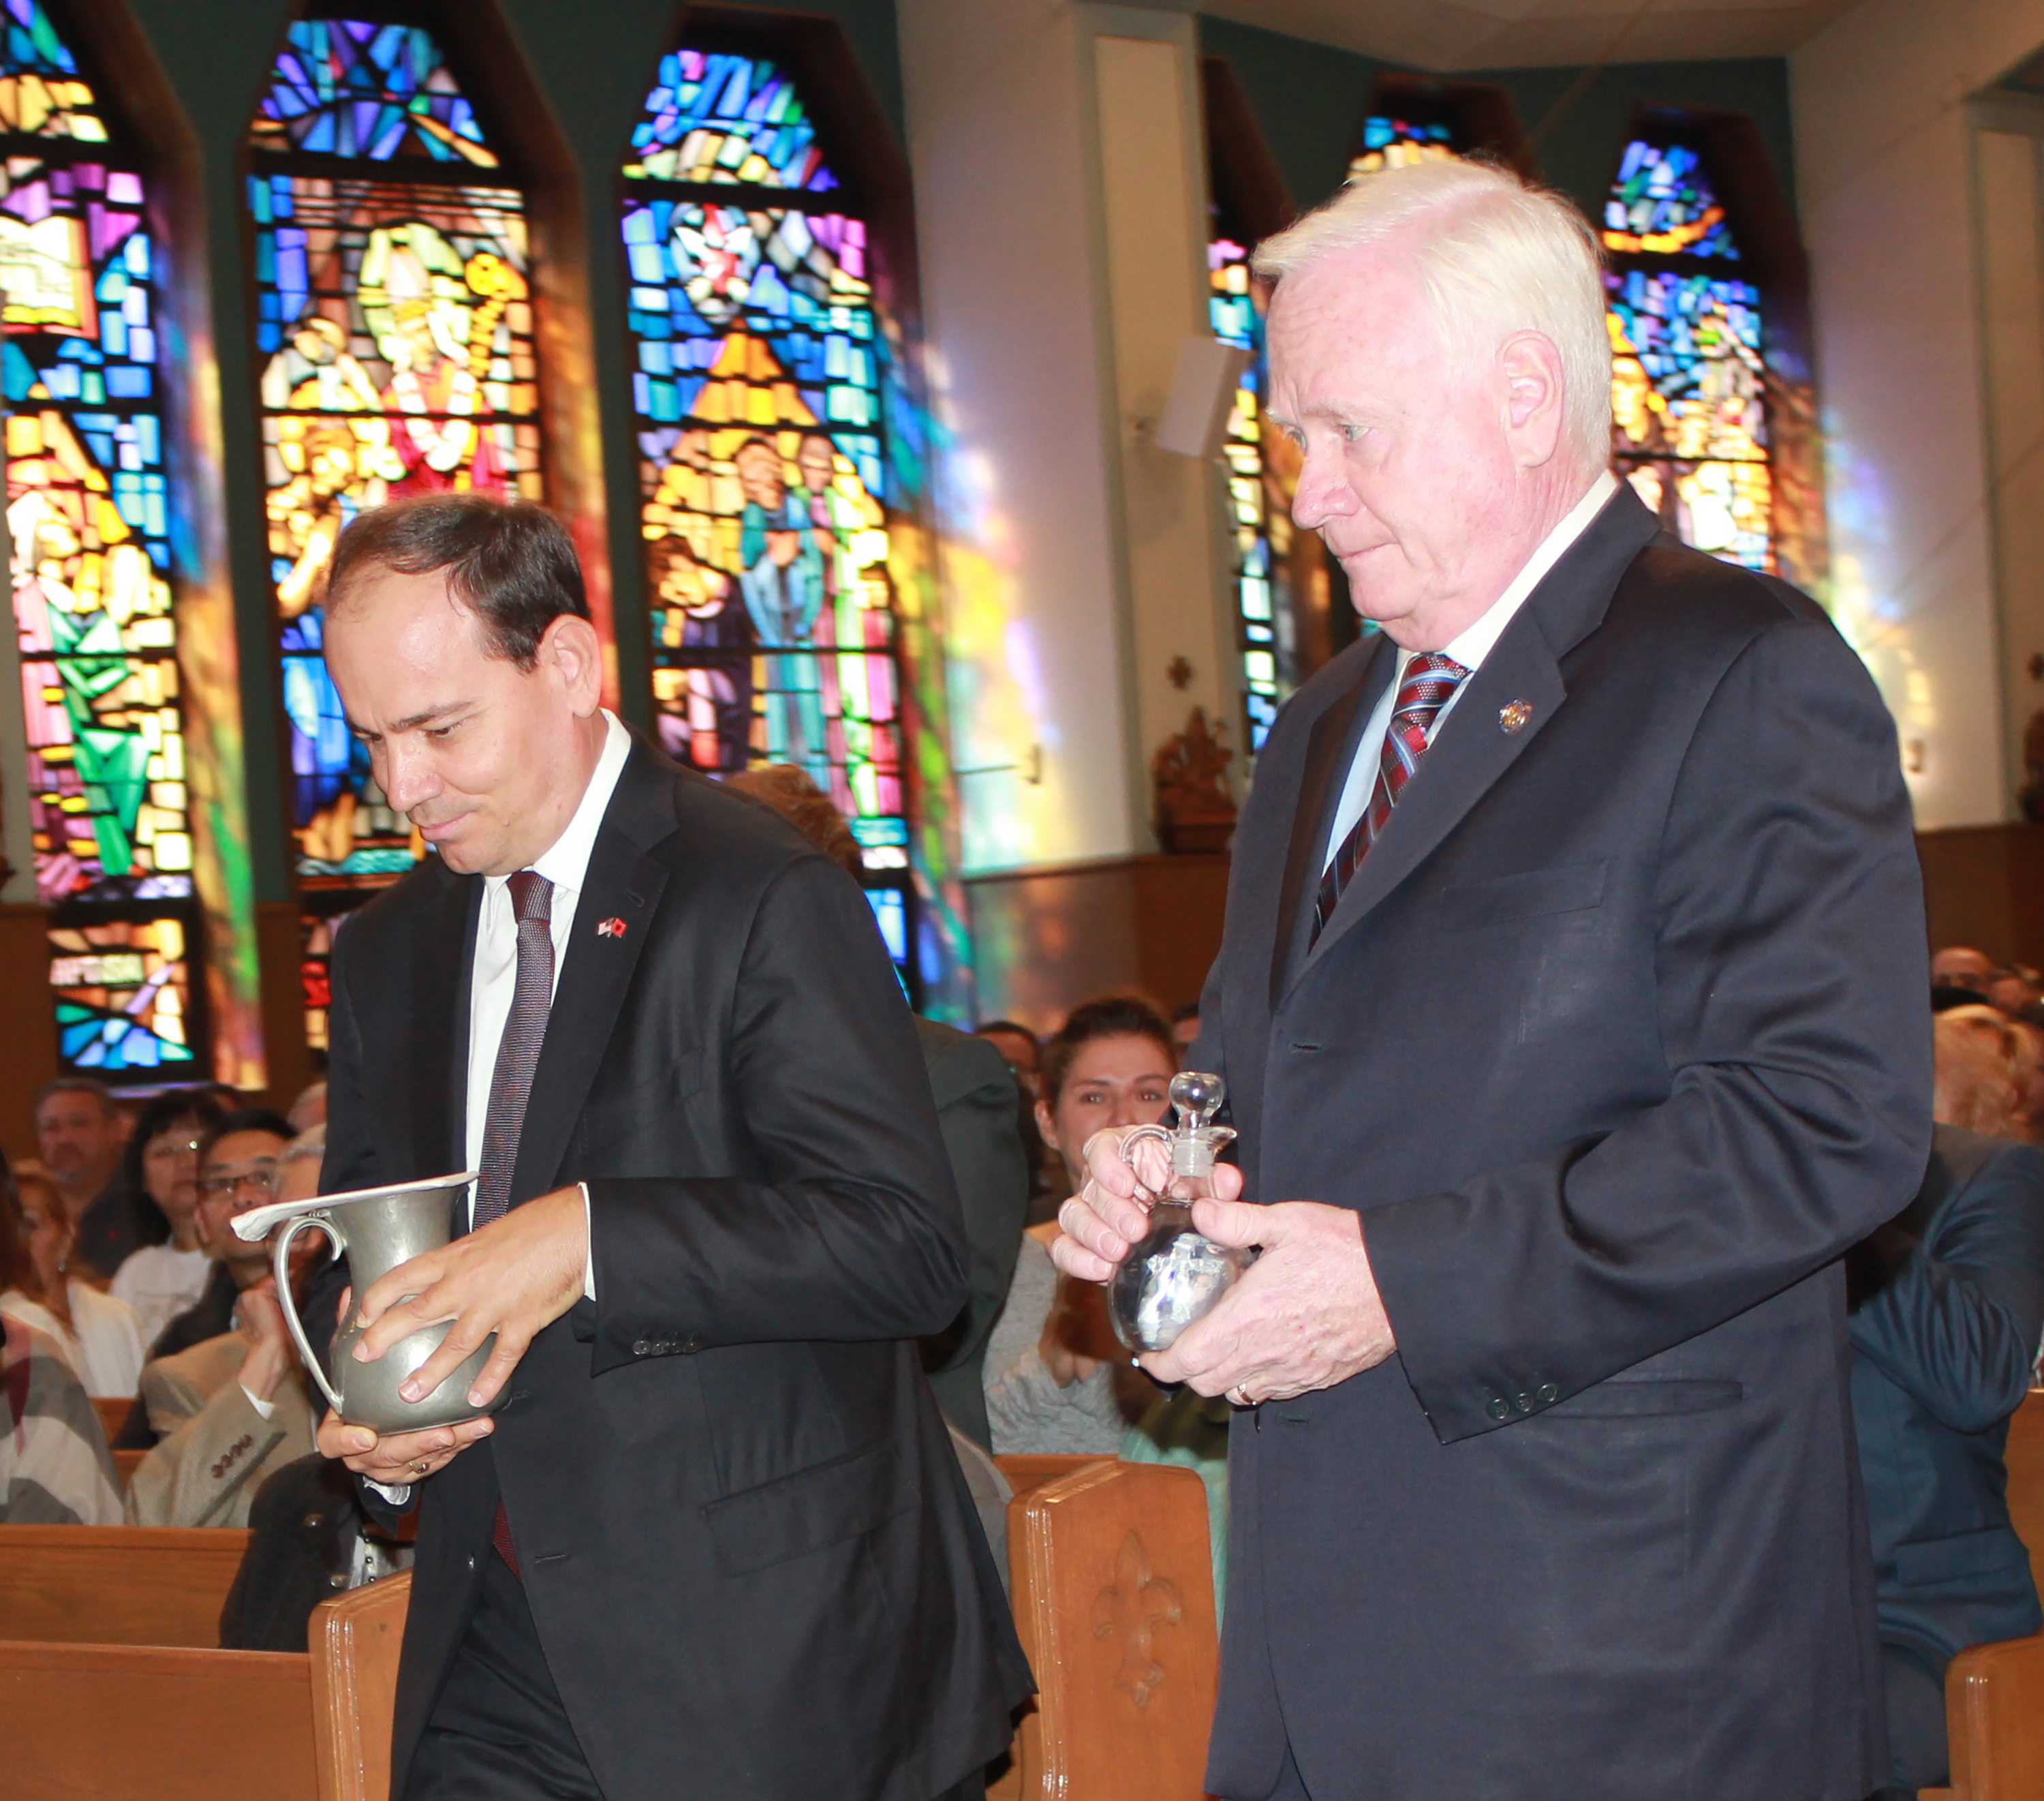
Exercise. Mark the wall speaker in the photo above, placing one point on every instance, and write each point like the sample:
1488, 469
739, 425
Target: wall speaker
1202, 395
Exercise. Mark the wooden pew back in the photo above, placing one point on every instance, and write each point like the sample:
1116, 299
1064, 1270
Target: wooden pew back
1994, 1720
173, 1725
354, 1639
116, 1584
112, 1415
1113, 1583
1027, 1474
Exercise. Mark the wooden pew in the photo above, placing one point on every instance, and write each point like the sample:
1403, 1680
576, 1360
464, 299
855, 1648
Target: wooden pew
116, 1584
355, 1641
1994, 1719
125, 1463
112, 1415
119, 1721
1113, 1583
1027, 1474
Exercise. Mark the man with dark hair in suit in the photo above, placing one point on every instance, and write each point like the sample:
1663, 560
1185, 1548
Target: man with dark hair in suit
714, 1542
1571, 1004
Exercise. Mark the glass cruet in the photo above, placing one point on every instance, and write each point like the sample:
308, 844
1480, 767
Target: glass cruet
1175, 1274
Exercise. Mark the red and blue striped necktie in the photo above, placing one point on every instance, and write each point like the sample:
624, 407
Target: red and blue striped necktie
1430, 683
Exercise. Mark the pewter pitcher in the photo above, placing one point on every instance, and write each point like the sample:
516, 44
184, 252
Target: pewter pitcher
378, 1228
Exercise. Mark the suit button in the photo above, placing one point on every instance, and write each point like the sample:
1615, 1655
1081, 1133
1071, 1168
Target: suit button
1549, 1394
641, 1347
336, 1580
1500, 1408
691, 1346
1523, 1403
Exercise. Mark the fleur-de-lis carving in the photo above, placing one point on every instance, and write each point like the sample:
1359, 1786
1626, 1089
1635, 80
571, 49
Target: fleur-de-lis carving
1134, 1604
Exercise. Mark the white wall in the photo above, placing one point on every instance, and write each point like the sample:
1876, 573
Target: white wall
1886, 168
997, 138
1078, 560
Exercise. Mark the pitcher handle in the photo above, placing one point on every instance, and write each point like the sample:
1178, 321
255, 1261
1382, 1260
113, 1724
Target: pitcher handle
1146, 1196
280, 1261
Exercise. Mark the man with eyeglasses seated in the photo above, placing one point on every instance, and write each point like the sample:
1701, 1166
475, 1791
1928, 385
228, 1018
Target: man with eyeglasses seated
233, 1406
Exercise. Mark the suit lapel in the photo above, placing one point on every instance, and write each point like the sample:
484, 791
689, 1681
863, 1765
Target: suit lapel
439, 1045
1329, 752
623, 887
1477, 744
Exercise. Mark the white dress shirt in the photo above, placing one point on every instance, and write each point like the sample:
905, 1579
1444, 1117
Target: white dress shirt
493, 975
1469, 649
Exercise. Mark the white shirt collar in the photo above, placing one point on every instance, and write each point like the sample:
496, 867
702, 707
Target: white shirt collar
565, 863
1478, 640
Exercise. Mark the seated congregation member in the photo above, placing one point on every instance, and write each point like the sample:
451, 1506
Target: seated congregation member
237, 1170
1571, 1004
309, 1538
40, 1286
160, 1281
1056, 1382
310, 1109
717, 1542
1020, 1049
1947, 1309
232, 1411
974, 1096
81, 1133
55, 1467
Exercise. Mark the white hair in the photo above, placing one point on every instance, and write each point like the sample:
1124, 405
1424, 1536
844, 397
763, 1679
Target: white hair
311, 1143
1495, 256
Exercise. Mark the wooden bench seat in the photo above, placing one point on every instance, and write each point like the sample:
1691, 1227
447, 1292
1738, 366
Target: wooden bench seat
116, 1584
122, 1723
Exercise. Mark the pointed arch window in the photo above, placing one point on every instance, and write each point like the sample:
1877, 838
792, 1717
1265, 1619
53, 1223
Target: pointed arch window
768, 452
395, 339
1688, 379
88, 509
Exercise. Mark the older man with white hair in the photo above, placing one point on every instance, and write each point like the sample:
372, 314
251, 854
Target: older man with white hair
1571, 1004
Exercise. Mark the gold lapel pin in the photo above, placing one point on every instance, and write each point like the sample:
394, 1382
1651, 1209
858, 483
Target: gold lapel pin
1512, 715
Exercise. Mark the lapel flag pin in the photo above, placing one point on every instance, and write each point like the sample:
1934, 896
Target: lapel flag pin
611, 928
1512, 715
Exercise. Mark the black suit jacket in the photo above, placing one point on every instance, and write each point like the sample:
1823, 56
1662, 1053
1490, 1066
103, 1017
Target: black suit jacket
748, 1549
975, 1098
1945, 1334
1617, 1040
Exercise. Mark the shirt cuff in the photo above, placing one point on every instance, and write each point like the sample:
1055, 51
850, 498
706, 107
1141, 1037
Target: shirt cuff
265, 1410
398, 1494
589, 1253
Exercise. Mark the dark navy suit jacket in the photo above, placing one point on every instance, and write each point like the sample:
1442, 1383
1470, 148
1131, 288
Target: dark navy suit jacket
1945, 1334
1618, 1042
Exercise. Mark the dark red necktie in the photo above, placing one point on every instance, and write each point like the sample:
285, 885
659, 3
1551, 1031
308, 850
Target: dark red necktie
1431, 681
511, 1082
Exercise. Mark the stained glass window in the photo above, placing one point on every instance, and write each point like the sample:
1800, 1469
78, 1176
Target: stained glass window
768, 473
89, 513
1258, 511
394, 336
1688, 383
1391, 143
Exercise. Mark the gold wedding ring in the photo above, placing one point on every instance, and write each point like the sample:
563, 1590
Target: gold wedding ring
420, 1467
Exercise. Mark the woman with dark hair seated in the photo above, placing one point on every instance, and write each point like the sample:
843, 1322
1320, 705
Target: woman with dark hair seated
40, 1285
160, 1281
55, 1467
1055, 1380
